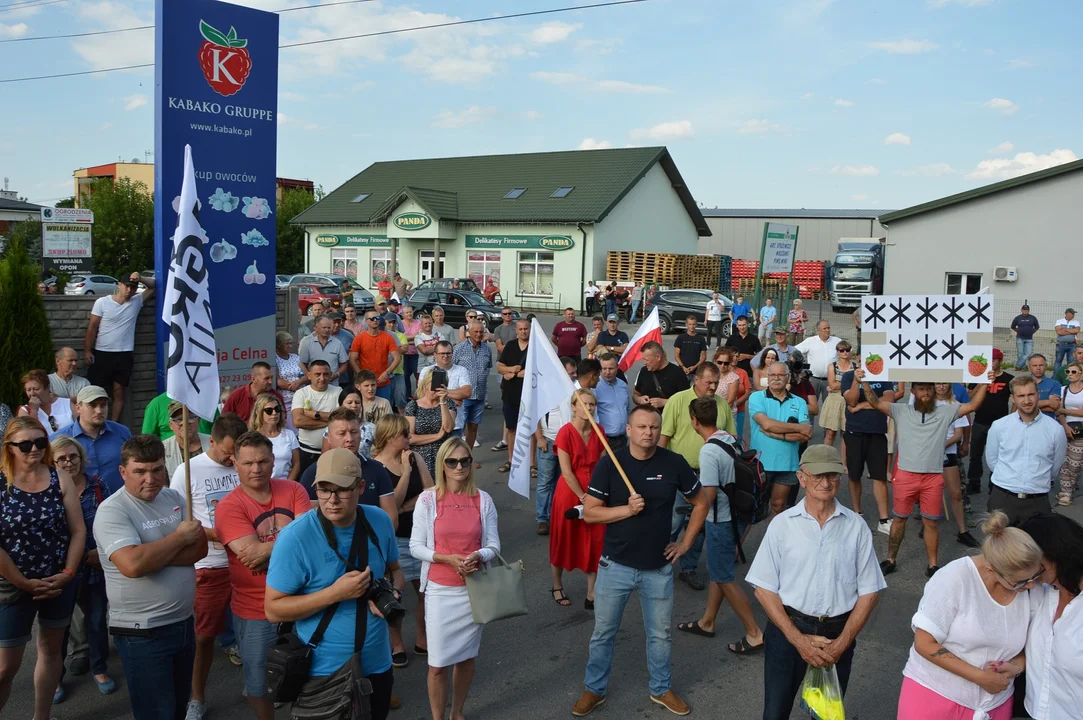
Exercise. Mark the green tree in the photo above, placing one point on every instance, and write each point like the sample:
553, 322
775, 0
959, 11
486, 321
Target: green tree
123, 226
290, 255
28, 233
66, 203
25, 342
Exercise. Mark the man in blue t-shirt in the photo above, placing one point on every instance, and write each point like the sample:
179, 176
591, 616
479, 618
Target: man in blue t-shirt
1048, 388
739, 308
1024, 325
306, 576
865, 440
780, 423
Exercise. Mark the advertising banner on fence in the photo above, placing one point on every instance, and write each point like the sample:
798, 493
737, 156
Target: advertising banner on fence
216, 89
927, 338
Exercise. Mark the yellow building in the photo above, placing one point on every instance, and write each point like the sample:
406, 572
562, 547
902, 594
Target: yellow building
134, 171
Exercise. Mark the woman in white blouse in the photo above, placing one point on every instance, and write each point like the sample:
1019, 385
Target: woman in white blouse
1055, 641
454, 532
269, 419
970, 631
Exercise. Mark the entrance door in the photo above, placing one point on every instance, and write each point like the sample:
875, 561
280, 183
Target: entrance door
428, 272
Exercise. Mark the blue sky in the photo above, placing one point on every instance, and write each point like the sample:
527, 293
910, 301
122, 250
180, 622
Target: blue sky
815, 103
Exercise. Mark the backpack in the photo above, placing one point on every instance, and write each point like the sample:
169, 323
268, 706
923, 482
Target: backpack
750, 493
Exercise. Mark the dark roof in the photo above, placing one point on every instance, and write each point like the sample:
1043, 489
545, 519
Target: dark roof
19, 206
982, 191
472, 189
796, 213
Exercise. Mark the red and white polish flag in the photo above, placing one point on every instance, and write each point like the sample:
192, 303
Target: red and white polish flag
649, 330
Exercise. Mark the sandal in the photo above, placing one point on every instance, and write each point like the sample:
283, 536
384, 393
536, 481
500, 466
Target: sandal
1064, 499
741, 647
534, 471
693, 628
504, 468
561, 599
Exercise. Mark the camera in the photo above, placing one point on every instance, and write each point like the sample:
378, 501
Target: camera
382, 595
799, 367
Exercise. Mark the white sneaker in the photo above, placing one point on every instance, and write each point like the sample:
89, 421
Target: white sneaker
196, 710
884, 526
477, 444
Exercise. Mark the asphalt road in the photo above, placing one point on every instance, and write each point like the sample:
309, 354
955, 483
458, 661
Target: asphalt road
531, 667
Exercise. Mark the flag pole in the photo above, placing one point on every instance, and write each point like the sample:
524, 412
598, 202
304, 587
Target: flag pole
605, 442
186, 454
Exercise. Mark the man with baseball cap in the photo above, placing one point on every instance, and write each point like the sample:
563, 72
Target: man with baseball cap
302, 581
109, 343
100, 438
816, 576
1067, 329
992, 408
615, 340
1024, 325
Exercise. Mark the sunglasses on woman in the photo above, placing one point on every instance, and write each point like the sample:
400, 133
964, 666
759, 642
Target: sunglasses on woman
272, 410
461, 463
25, 446
1019, 585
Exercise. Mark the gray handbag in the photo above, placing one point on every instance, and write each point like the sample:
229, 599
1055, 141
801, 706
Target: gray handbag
496, 592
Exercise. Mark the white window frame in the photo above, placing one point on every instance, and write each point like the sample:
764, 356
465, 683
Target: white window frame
488, 268
535, 258
345, 256
964, 278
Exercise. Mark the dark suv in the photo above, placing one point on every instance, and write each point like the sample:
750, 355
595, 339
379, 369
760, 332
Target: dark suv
676, 305
455, 304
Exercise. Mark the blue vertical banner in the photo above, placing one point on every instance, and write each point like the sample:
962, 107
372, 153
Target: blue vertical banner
216, 89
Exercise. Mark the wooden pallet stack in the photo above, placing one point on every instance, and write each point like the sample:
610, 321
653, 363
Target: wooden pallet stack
684, 271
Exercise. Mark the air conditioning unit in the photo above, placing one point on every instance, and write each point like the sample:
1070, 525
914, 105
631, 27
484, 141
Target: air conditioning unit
1004, 273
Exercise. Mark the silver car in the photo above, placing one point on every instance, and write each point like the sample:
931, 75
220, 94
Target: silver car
282, 281
90, 285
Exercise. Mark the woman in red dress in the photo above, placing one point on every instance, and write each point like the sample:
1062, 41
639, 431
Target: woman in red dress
573, 544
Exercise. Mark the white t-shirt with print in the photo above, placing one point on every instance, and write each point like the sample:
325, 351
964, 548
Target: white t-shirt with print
116, 333
1064, 323
211, 482
284, 444
714, 310
324, 402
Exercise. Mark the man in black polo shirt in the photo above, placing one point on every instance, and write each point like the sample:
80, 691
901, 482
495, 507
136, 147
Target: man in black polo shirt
612, 337
745, 344
638, 554
691, 348
659, 379
994, 407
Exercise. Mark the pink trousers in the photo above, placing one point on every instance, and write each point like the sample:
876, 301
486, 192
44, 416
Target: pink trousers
917, 702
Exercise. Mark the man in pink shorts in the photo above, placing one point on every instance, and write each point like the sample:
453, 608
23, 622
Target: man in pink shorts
920, 429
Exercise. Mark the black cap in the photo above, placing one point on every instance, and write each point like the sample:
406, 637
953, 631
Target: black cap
127, 280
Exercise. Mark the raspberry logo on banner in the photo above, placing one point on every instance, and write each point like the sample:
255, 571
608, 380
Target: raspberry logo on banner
224, 59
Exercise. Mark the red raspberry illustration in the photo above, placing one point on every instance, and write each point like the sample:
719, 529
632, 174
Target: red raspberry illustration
224, 59
874, 364
977, 365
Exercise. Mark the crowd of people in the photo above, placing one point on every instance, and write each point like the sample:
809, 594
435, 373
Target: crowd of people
190, 537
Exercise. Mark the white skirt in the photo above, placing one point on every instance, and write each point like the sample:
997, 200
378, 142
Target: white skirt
450, 629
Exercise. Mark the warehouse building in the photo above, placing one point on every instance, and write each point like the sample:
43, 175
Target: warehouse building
535, 225
739, 233
1014, 237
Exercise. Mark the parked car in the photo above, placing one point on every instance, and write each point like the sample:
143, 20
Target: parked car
455, 304
676, 305
308, 294
90, 285
282, 281
362, 298
466, 284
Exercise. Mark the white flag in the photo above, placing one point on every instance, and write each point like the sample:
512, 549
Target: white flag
395, 297
191, 360
545, 385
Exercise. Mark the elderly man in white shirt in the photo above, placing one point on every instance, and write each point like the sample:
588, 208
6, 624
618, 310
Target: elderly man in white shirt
1024, 452
820, 353
817, 578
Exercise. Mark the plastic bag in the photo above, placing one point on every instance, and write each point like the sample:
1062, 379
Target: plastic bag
821, 696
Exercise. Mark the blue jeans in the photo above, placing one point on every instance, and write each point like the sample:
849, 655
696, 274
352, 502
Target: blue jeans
158, 669
784, 668
1023, 350
91, 599
1064, 355
610, 307
398, 391
690, 560
739, 421
548, 472
615, 584
410, 368
253, 640
635, 311
384, 392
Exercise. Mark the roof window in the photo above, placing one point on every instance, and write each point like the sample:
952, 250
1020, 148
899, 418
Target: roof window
515, 193
563, 192
361, 197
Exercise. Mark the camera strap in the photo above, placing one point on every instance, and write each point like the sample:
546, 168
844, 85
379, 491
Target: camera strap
357, 560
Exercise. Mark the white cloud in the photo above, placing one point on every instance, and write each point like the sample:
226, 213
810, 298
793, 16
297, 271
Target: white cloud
1002, 149
758, 127
931, 170
13, 31
135, 101
299, 123
904, 47
553, 32
664, 131
104, 126
364, 84
292, 96
964, 3
592, 144
599, 46
1021, 63
617, 86
897, 139
855, 170
842, 102
1021, 164
470, 116
876, 81
531, 115
106, 51
807, 96
1002, 106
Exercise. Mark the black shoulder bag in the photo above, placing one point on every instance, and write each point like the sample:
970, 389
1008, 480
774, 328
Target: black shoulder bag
289, 660
344, 694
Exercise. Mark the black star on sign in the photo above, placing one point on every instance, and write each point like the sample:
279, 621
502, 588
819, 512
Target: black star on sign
927, 312
875, 308
927, 349
899, 312
951, 349
899, 349
978, 310
954, 307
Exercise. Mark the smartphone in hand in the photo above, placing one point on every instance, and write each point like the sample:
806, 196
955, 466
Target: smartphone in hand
439, 379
